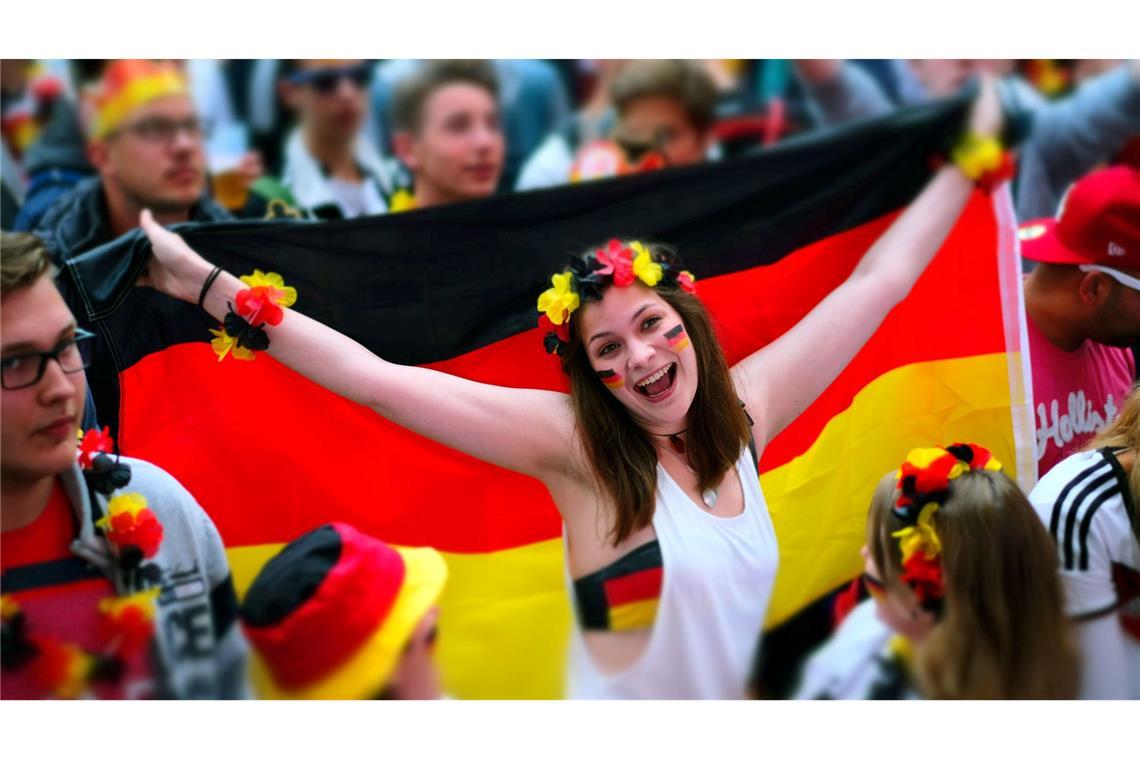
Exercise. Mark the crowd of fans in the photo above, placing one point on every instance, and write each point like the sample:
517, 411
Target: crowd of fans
89, 145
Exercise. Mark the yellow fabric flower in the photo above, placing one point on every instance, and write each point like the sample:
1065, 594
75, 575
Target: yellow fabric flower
402, 200
280, 294
224, 343
129, 503
921, 536
144, 601
560, 301
646, 269
976, 155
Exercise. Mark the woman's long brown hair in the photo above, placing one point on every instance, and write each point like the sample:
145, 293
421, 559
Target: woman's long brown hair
622, 454
1002, 632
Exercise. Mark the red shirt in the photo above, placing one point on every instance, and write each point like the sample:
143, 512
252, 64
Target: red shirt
59, 594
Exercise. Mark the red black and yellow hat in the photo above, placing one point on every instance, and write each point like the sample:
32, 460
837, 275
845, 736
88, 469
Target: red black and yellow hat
128, 84
328, 617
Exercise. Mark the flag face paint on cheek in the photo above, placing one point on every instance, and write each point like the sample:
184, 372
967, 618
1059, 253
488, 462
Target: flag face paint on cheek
678, 340
612, 379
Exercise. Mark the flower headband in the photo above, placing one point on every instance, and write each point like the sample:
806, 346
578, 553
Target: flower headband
924, 484
618, 264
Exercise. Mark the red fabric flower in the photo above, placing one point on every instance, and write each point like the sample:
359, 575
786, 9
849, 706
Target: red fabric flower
992, 179
616, 259
915, 478
95, 442
686, 281
127, 623
546, 326
130, 522
257, 305
59, 669
924, 576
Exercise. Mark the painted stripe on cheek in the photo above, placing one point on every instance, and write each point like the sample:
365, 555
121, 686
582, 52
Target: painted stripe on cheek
677, 338
612, 379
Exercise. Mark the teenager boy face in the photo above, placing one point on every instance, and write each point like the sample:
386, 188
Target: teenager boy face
38, 423
457, 152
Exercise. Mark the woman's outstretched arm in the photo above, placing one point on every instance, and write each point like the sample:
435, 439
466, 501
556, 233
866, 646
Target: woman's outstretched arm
529, 431
782, 379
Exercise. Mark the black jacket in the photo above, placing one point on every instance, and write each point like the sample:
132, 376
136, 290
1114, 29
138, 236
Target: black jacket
79, 221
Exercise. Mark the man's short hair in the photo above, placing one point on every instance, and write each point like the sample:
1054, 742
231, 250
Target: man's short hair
412, 93
686, 81
23, 260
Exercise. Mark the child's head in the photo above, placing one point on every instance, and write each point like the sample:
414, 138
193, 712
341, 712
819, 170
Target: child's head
969, 574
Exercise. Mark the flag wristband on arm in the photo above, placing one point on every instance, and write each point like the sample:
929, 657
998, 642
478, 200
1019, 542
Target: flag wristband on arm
262, 303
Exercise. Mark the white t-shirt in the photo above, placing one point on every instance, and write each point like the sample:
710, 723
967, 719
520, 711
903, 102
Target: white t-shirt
856, 662
1085, 502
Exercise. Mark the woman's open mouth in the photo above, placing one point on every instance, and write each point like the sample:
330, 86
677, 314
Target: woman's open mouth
657, 385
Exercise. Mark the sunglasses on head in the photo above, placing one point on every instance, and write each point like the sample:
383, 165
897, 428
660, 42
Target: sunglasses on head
326, 81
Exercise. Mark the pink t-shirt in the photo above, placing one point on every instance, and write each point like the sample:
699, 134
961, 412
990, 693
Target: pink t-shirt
1075, 393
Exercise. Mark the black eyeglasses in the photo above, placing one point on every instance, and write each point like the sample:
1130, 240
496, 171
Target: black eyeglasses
72, 354
326, 81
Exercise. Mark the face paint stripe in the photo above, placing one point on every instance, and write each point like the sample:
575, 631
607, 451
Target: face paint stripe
677, 338
612, 379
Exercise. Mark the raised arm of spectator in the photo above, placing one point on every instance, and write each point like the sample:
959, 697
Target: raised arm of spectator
1072, 136
839, 91
526, 430
782, 379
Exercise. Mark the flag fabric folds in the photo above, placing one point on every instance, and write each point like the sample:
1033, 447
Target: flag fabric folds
270, 455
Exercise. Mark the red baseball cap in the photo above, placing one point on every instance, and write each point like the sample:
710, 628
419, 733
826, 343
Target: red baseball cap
1098, 223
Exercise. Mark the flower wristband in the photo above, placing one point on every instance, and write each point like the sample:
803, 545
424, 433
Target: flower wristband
262, 303
983, 160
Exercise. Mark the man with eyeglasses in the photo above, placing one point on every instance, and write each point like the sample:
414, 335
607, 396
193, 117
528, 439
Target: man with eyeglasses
91, 605
331, 169
145, 141
1082, 302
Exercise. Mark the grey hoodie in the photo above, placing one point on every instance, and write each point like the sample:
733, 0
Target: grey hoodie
200, 652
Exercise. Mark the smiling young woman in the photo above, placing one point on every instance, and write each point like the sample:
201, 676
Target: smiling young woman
668, 539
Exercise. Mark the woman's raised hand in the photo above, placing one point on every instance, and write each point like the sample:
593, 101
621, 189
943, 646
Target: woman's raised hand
986, 115
174, 268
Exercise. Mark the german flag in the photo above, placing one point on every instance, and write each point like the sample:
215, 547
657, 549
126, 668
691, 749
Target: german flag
271, 455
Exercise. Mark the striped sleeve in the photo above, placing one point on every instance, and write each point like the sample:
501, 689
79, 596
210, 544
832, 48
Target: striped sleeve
1081, 502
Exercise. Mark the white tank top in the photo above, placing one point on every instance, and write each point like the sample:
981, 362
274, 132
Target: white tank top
717, 580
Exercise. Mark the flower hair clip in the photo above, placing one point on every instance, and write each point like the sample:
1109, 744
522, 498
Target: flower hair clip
925, 480
101, 466
262, 303
619, 264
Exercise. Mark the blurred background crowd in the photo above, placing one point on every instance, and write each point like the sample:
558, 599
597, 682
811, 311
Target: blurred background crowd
86, 145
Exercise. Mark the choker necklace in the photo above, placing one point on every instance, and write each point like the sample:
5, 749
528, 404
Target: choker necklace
675, 440
709, 495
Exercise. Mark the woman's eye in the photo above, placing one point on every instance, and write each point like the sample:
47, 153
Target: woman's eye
607, 348
650, 323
